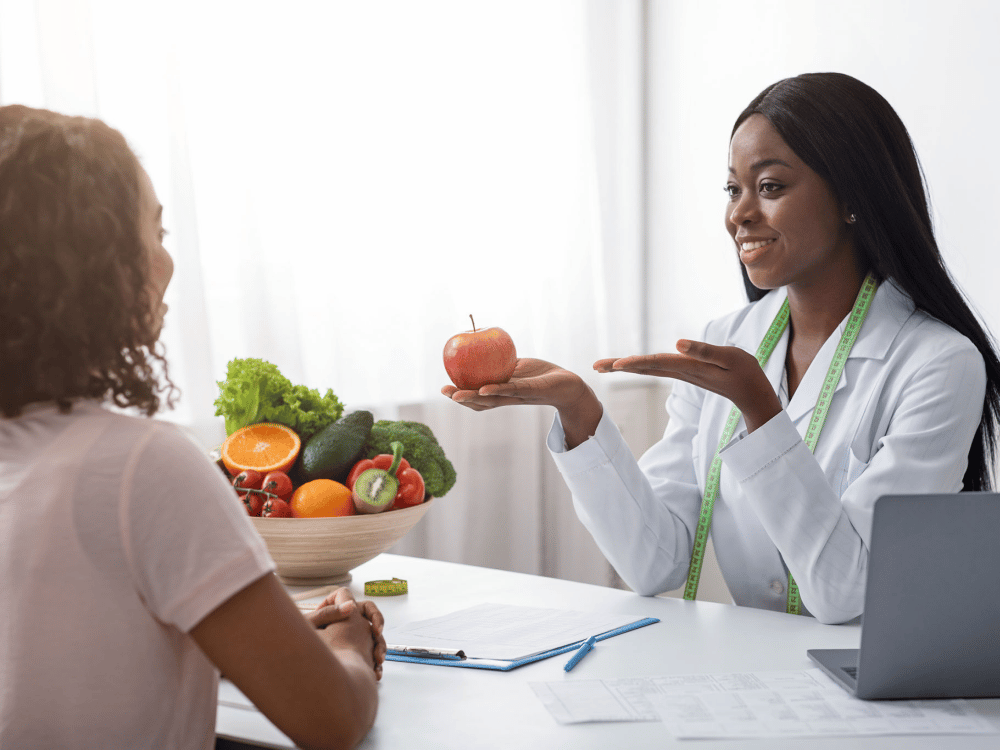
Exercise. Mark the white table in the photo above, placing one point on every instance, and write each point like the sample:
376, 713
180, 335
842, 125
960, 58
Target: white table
438, 708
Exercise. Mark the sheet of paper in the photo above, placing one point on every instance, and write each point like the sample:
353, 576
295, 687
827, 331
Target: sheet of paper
755, 704
230, 695
501, 631
581, 701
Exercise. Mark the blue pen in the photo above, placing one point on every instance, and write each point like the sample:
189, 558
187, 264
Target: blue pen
581, 652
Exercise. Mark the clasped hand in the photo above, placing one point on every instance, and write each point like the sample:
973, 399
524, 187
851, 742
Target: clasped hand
359, 619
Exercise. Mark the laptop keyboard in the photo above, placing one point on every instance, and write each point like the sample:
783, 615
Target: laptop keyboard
852, 671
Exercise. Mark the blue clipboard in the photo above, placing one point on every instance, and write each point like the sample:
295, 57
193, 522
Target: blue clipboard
502, 665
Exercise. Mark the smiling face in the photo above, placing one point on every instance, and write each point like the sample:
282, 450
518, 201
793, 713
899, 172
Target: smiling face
789, 228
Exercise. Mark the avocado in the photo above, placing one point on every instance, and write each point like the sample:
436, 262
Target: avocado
333, 451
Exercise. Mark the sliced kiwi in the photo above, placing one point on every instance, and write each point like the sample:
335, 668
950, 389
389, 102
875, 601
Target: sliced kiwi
374, 491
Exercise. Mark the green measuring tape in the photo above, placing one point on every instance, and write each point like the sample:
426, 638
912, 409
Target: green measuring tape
387, 587
771, 338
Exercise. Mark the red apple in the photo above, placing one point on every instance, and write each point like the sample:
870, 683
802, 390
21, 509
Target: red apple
478, 357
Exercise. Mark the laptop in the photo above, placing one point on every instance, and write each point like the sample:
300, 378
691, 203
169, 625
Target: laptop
931, 624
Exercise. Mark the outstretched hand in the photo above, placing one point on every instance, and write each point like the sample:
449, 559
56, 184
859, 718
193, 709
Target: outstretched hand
538, 382
726, 370
534, 381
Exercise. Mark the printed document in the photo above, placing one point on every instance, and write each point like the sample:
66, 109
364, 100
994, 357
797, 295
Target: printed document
754, 704
502, 631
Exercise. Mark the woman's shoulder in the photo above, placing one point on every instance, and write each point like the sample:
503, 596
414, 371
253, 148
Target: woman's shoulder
128, 440
918, 330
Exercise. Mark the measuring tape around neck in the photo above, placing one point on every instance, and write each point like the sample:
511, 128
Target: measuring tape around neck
833, 374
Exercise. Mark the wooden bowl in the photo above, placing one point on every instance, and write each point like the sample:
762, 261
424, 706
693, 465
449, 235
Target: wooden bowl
322, 551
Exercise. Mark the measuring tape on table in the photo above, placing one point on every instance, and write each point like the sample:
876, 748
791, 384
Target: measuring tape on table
767, 345
388, 587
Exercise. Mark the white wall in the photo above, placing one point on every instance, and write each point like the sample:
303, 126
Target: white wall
935, 62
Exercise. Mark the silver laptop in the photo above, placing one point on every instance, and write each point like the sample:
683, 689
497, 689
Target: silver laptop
931, 625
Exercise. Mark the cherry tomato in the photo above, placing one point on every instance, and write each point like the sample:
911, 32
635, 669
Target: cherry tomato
248, 479
277, 483
275, 507
253, 502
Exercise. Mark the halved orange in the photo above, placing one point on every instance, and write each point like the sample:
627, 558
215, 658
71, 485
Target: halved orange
263, 447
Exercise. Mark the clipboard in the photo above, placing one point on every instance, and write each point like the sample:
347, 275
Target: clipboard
504, 665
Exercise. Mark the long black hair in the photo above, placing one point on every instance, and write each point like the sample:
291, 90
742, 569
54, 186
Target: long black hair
848, 134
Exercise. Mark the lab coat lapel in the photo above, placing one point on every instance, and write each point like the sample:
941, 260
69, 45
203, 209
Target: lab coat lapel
889, 310
751, 330
804, 400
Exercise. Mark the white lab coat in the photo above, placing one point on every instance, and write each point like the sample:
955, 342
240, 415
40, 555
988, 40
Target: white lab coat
902, 420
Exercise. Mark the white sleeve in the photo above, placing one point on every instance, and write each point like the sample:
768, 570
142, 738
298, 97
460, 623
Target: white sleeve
643, 515
187, 538
824, 538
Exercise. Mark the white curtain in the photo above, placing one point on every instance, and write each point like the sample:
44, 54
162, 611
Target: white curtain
344, 183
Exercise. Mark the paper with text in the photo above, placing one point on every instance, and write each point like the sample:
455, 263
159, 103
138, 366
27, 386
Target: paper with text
502, 631
754, 704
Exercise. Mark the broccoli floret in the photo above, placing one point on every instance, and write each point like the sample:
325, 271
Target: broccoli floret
420, 448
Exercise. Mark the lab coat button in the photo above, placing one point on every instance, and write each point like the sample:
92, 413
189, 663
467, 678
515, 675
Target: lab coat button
777, 587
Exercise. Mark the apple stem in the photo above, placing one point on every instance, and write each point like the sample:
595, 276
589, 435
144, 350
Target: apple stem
473, 323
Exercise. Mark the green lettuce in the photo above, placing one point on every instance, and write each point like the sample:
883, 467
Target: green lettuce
255, 391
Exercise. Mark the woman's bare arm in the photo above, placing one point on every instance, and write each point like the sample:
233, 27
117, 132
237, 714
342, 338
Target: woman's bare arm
316, 686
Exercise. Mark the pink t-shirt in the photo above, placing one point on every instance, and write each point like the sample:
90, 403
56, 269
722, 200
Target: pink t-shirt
117, 536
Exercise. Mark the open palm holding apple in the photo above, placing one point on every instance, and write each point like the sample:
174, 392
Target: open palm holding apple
534, 381
486, 372
482, 381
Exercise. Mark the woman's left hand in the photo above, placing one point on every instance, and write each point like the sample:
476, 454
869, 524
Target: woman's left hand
726, 370
341, 604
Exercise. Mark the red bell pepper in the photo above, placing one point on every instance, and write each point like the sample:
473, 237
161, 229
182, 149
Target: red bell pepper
411, 484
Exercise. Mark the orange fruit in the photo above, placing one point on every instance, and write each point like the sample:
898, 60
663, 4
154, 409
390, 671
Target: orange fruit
321, 498
262, 447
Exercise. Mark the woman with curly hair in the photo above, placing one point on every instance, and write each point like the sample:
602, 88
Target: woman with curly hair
131, 574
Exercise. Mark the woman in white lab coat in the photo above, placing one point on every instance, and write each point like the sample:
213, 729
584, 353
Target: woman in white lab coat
827, 210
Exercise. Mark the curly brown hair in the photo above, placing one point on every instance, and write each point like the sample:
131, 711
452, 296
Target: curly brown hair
75, 299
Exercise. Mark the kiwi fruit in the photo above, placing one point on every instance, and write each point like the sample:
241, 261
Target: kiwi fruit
374, 491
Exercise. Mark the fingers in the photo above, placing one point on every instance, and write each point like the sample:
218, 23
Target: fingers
343, 595
605, 365
644, 364
327, 614
336, 607
534, 381
720, 356
489, 396
660, 365
468, 399
677, 365
340, 597
372, 613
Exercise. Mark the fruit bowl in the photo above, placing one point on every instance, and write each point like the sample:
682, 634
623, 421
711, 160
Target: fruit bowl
322, 551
